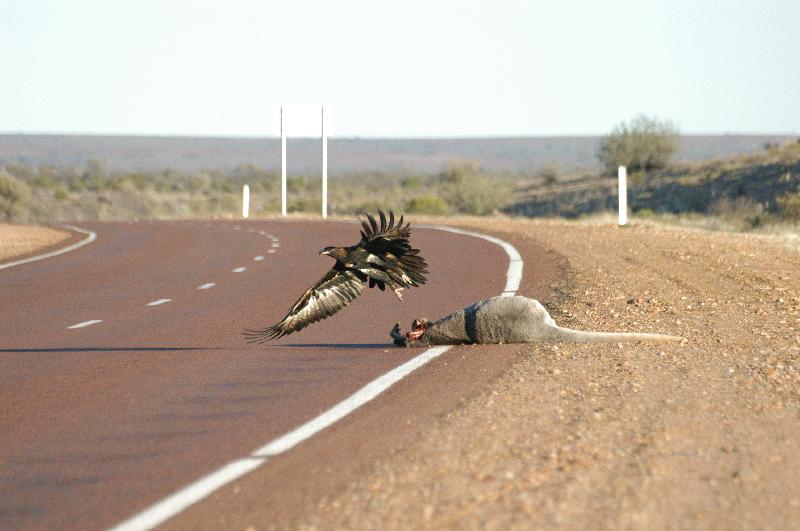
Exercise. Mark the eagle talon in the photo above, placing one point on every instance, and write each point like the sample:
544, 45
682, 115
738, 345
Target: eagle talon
399, 293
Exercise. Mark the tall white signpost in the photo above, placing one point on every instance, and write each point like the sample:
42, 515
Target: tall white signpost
324, 135
245, 201
283, 166
296, 120
622, 174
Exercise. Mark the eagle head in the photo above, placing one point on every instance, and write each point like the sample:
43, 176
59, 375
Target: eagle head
334, 252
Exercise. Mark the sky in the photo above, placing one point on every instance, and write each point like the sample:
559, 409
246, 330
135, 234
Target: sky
399, 69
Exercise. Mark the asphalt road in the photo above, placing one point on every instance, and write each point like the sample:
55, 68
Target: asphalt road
158, 389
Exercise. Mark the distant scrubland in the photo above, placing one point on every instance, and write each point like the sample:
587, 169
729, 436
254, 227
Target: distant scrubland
737, 192
48, 193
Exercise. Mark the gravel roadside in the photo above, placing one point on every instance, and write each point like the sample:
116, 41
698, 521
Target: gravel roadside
704, 434
17, 241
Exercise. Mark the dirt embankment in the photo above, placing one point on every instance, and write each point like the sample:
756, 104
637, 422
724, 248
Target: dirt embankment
704, 434
22, 240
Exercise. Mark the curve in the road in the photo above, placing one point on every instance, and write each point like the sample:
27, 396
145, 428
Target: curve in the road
90, 237
177, 502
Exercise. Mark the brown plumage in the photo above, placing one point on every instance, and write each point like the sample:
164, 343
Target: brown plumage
383, 257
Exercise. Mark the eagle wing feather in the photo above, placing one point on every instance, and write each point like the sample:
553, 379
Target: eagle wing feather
331, 293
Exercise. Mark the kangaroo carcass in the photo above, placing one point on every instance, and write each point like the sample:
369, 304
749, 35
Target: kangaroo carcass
505, 320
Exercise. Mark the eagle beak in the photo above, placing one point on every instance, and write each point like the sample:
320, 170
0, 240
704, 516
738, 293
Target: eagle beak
325, 250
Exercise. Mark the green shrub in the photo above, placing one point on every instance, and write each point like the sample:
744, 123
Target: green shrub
789, 207
643, 145
477, 195
549, 173
304, 204
427, 204
14, 193
411, 183
741, 210
60, 193
458, 170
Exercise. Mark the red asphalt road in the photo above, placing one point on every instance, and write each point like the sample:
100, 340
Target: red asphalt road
100, 422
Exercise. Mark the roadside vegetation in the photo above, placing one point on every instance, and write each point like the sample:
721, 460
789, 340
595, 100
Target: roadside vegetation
642, 145
759, 191
49, 193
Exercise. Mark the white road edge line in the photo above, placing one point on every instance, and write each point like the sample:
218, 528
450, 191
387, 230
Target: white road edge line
206, 285
90, 237
177, 502
85, 323
158, 302
348, 405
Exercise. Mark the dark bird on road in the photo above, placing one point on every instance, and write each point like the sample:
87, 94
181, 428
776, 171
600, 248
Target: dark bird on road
384, 258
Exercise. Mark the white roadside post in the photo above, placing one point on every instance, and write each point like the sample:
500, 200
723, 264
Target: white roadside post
246, 201
283, 166
324, 167
622, 174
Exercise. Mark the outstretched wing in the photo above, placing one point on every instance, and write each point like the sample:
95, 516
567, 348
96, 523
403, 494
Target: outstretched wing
333, 292
389, 247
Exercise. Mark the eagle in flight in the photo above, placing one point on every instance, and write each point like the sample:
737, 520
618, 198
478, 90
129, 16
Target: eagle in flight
384, 257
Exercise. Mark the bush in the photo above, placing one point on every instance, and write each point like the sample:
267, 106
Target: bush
549, 173
742, 210
457, 170
478, 195
60, 193
643, 145
427, 204
789, 207
411, 182
304, 204
14, 193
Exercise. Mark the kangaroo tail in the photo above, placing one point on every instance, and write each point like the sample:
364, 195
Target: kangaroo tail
579, 336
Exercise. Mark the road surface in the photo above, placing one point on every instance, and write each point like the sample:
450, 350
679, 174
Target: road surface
124, 377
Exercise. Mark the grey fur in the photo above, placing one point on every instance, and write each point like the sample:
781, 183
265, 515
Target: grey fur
509, 320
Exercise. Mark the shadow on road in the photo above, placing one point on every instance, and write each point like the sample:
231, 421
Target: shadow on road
337, 345
103, 349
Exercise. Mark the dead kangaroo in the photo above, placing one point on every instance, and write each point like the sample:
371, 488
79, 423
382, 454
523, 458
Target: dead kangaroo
505, 320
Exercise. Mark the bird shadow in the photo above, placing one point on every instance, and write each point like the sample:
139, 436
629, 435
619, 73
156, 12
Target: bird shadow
337, 345
101, 349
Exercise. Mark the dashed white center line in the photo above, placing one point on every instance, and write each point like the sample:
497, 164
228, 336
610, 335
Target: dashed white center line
239, 269
271, 251
85, 323
177, 502
206, 285
258, 258
262, 233
159, 301
276, 244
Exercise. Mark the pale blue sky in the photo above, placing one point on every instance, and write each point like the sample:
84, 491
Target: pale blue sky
410, 68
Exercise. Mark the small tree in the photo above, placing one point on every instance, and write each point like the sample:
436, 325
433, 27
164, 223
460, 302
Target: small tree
642, 145
13, 193
549, 173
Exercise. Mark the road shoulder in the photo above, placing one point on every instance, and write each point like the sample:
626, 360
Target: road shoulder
702, 434
23, 241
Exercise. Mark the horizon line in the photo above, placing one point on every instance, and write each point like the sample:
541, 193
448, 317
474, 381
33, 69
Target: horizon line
368, 137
